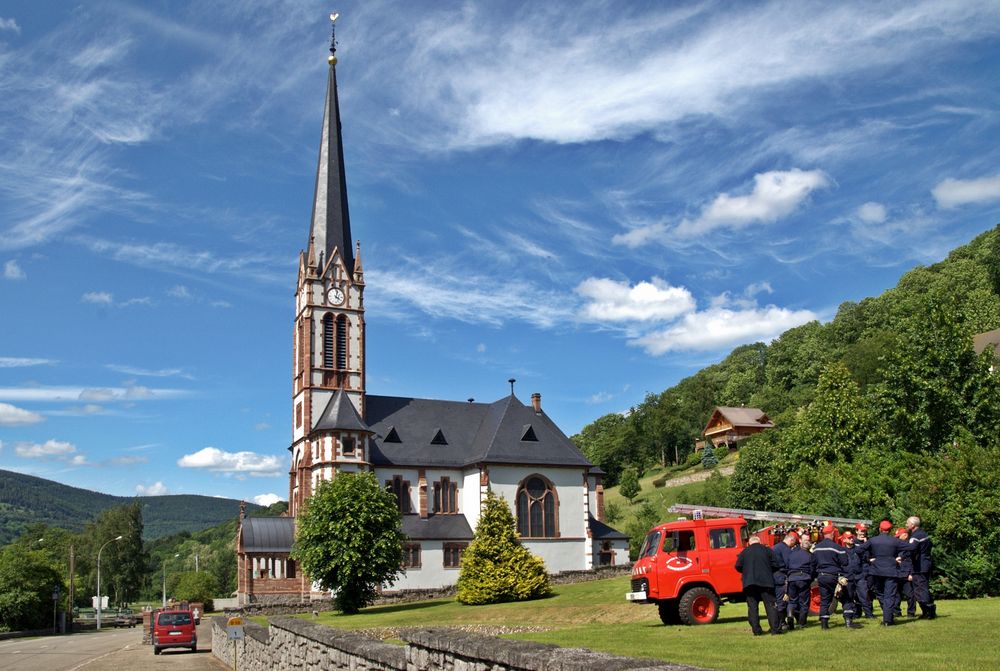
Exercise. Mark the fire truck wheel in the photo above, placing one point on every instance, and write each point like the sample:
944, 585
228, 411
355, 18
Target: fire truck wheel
668, 612
698, 605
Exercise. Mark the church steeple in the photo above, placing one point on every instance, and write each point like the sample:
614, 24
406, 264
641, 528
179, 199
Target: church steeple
331, 223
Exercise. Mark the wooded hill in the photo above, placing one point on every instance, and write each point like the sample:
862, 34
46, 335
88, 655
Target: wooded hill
885, 411
27, 500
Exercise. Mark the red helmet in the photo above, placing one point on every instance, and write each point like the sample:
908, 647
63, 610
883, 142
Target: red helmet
885, 525
829, 529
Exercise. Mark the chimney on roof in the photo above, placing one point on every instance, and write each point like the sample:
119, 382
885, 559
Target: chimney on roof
536, 403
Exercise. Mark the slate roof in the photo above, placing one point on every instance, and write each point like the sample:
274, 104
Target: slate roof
602, 532
473, 433
340, 414
437, 527
267, 534
990, 339
331, 222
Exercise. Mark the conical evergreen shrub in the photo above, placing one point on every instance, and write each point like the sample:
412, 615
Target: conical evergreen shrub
496, 567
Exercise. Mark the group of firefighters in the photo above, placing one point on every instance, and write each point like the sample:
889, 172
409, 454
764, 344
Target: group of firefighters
891, 567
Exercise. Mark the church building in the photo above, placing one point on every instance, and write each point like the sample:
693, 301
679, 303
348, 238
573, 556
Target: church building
439, 458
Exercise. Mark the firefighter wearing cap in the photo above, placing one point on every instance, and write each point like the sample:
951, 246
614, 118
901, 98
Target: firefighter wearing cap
884, 551
781, 551
921, 544
905, 587
831, 570
857, 581
801, 567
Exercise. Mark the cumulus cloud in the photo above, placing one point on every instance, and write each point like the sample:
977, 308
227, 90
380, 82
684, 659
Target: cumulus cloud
10, 24
722, 326
13, 416
98, 298
872, 213
655, 300
214, 459
955, 192
50, 448
266, 499
12, 271
776, 194
155, 489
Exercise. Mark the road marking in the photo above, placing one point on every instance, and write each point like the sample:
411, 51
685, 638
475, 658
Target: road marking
90, 661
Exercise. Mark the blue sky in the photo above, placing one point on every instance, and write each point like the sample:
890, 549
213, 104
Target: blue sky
595, 198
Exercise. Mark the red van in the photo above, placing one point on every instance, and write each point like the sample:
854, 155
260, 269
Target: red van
174, 629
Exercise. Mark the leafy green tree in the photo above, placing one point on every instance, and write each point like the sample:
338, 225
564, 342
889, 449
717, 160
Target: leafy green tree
612, 512
27, 580
758, 481
837, 423
496, 568
629, 486
123, 563
349, 539
645, 518
197, 586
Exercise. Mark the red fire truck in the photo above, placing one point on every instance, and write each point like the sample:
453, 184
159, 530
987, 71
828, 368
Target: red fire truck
687, 567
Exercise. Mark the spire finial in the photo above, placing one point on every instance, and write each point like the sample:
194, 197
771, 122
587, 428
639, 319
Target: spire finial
511, 381
332, 60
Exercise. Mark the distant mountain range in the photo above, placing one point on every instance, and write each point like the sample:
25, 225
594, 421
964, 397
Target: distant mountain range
25, 500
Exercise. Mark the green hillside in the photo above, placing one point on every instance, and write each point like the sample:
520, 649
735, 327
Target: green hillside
26, 500
885, 411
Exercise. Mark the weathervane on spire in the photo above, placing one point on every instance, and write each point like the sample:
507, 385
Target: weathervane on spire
333, 38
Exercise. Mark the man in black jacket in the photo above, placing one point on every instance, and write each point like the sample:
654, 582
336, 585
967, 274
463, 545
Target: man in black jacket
757, 564
883, 556
921, 544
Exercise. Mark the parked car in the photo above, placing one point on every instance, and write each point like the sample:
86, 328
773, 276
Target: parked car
174, 629
125, 618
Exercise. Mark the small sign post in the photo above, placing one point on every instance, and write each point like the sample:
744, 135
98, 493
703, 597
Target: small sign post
234, 629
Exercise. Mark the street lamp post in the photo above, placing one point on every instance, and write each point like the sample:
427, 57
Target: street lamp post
165, 579
99, 578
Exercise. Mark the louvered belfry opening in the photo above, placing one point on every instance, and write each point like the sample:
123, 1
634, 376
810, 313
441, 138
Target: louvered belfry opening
328, 339
342, 342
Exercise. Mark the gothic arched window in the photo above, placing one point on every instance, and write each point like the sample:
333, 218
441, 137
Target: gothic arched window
342, 342
328, 340
537, 508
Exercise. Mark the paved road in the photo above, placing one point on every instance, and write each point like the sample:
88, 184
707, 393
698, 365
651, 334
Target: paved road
107, 650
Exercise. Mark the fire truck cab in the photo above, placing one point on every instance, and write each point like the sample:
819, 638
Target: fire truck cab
687, 567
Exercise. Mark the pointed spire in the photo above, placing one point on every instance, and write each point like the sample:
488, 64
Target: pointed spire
358, 270
331, 224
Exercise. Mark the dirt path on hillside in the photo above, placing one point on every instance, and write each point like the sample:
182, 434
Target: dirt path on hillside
698, 477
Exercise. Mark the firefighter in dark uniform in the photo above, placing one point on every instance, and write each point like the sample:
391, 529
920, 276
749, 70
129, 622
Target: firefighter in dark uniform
781, 551
801, 568
921, 544
866, 594
905, 588
831, 570
883, 553
857, 582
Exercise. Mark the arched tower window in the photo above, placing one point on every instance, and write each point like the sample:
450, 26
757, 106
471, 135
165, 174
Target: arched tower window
328, 340
342, 342
537, 508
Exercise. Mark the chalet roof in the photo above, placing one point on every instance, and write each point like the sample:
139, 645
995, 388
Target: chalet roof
741, 417
340, 415
456, 434
990, 339
437, 527
602, 532
267, 534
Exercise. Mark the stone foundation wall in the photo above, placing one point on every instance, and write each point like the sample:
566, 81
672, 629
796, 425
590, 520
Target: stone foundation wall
293, 644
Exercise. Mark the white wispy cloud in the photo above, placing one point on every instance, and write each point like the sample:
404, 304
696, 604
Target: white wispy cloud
98, 298
88, 394
155, 489
655, 300
955, 192
58, 449
128, 460
179, 291
214, 459
266, 499
11, 415
872, 213
12, 270
261, 426
719, 327
148, 372
9, 24
22, 362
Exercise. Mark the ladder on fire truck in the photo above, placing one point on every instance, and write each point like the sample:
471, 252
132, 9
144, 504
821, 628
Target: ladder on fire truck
762, 515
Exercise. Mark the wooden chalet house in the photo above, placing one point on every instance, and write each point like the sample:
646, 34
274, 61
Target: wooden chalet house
728, 426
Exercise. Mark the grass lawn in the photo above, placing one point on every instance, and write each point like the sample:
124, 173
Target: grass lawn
595, 615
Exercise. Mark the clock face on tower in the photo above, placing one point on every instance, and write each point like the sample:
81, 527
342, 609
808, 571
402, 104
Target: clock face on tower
335, 296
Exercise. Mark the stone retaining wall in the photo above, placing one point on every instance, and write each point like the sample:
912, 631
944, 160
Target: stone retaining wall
291, 644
